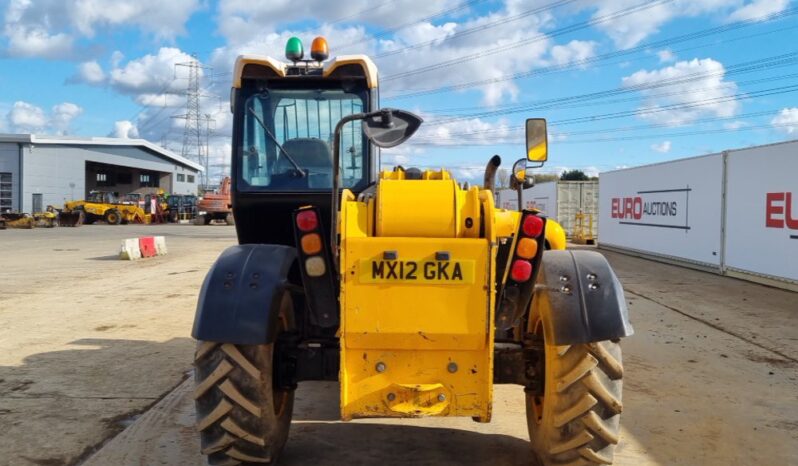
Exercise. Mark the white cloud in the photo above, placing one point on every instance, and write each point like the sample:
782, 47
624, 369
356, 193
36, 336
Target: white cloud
244, 25
702, 92
786, 120
116, 58
62, 116
758, 8
151, 74
663, 147
90, 72
25, 117
164, 19
125, 129
576, 50
242, 20
24, 41
629, 30
471, 132
666, 56
49, 28
160, 100
737, 124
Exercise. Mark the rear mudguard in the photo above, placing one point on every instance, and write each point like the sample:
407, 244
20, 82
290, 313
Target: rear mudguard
240, 298
580, 298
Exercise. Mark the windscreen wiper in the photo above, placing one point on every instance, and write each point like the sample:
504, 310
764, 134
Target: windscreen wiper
274, 140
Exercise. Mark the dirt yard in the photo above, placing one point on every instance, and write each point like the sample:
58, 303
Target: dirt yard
92, 348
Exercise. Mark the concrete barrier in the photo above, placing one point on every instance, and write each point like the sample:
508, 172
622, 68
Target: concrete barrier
145, 246
130, 249
160, 245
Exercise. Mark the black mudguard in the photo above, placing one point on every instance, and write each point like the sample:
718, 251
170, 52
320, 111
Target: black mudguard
240, 298
583, 299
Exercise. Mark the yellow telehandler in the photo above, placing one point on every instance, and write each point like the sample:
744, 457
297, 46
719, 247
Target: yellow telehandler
417, 294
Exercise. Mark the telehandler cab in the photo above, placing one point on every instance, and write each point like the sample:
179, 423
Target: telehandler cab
417, 294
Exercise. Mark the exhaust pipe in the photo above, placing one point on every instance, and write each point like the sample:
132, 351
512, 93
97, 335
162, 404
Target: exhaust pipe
490, 173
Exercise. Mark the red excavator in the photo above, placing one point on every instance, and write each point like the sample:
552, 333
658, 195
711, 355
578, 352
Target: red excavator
216, 205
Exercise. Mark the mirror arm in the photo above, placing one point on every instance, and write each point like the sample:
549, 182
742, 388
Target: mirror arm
336, 183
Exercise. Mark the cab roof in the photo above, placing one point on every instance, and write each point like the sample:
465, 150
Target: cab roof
281, 69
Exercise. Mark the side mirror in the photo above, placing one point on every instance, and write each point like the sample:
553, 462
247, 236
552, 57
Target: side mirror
519, 179
537, 141
390, 127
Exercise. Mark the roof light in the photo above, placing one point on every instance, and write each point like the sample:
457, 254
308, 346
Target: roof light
319, 50
307, 220
294, 50
533, 225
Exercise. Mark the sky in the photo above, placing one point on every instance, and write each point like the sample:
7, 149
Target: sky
621, 82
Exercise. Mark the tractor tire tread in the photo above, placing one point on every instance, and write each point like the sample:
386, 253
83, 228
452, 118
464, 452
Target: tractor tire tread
581, 425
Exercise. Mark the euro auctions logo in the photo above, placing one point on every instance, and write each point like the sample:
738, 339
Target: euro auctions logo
665, 208
779, 212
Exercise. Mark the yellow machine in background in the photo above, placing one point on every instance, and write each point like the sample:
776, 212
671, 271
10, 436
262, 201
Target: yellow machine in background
105, 206
412, 291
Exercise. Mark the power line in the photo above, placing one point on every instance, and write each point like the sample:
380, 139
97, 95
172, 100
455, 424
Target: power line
607, 56
740, 68
481, 27
537, 38
441, 14
677, 134
638, 112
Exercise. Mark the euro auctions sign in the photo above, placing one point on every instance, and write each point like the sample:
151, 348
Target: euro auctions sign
665, 208
780, 212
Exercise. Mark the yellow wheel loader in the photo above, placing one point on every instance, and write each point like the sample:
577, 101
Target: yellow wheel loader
416, 294
100, 205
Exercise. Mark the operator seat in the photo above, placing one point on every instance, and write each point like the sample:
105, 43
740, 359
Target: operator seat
312, 155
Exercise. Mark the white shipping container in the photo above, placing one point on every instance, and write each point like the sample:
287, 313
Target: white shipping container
671, 209
762, 211
559, 200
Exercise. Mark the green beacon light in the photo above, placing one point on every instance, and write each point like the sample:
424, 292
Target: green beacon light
294, 50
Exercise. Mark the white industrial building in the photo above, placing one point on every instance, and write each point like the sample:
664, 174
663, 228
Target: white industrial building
37, 171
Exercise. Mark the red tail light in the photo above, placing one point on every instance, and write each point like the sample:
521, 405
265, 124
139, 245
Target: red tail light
521, 270
307, 220
533, 225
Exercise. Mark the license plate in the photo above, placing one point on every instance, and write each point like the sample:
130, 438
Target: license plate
452, 272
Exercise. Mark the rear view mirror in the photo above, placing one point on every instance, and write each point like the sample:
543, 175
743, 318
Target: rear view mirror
390, 127
537, 142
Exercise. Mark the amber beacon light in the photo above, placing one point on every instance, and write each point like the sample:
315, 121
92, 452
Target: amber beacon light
319, 50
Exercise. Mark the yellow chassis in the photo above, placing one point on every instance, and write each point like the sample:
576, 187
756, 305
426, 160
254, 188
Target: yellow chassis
417, 332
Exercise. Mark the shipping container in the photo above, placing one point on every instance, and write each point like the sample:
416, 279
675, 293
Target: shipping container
734, 213
560, 200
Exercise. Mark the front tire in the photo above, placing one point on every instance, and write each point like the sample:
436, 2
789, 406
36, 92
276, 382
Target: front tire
112, 217
241, 416
577, 420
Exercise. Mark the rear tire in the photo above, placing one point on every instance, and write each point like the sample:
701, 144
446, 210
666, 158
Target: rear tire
577, 420
241, 416
229, 219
